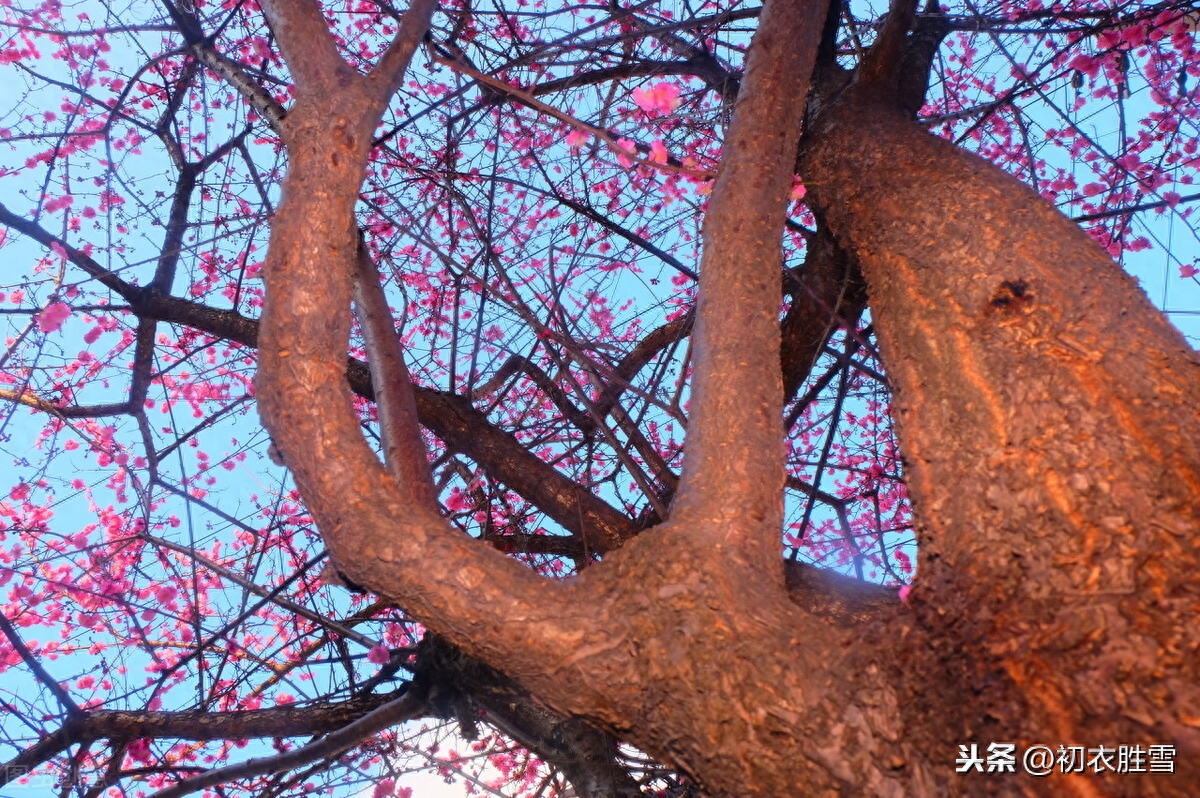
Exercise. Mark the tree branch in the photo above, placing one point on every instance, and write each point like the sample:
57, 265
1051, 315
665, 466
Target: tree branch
34, 664
733, 466
464, 429
406, 707
404, 452
493, 607
307, 45
389, 71
194, 724
587, 756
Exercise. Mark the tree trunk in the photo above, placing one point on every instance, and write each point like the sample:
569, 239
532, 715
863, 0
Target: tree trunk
1049, 417
1048, 413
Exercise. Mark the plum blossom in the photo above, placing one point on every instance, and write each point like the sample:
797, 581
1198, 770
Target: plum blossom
577, 138
625, 148
661, 98
139, 750
53, 316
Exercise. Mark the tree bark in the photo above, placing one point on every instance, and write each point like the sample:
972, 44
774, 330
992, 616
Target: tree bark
1049, 417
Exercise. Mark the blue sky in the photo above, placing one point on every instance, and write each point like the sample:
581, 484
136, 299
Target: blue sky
1157, 268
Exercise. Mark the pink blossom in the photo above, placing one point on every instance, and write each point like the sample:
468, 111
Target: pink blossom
58, 203
661, 98
577, 138
626, 146
1087, 64
457, 501
378, 654
903, 593
53, 316
139, 750
1188, 270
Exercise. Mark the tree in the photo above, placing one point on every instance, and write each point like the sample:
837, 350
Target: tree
526, 185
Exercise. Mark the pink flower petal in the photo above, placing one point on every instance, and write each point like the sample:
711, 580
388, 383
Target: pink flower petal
53, 316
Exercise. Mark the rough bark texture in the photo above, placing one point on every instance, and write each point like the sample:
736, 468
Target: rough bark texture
1049, 416
1050, 421
1048, 413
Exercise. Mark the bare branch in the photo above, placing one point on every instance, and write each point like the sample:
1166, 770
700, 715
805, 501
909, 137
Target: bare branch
35, 665
194, 724
235, 74
462, 427
391, 67
406, 707
306, 43
733, 467
403, 450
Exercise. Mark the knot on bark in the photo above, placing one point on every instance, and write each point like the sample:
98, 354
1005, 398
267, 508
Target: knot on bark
1011, 296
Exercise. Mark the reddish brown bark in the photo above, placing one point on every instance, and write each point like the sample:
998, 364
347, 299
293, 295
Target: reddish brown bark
1048, 412
732, 479
1050, 420
403, 449
675, 663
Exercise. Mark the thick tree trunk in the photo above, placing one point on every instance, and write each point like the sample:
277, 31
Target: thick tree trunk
1049, 417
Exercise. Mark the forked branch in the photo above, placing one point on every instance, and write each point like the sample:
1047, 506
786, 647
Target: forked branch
381, 535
